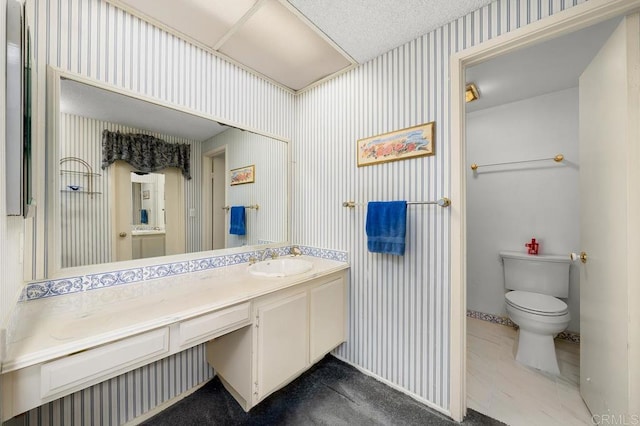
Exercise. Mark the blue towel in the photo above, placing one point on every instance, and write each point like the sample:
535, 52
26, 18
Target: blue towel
144, 216
237, 222
386, 226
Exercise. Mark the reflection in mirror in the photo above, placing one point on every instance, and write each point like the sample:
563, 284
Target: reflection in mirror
147, 201
100, 211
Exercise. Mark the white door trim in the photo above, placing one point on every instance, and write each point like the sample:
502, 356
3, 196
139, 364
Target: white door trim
207, 213
570, 20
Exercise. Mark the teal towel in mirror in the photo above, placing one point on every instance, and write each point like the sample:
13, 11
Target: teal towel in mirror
237, 223
386, 226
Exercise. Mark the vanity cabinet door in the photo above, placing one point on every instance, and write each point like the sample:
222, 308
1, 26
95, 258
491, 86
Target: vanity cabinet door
282, 342
327, 317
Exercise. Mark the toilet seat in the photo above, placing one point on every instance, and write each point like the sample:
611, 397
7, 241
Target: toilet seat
536, 303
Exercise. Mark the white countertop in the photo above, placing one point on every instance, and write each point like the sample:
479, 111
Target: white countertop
48, 328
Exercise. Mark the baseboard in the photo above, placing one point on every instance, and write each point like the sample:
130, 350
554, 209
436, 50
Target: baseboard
168, 403
397, 387
569, 336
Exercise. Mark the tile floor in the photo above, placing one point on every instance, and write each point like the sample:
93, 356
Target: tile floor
503, 389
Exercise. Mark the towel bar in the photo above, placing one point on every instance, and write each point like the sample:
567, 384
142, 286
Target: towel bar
442, 202
558, 158
252, 206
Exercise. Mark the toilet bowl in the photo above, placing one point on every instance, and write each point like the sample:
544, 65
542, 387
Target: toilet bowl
540, 318
536, 282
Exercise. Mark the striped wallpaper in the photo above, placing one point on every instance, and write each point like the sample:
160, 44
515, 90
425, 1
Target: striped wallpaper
398, 306
123, 398
269, 222
97, 40
86, 218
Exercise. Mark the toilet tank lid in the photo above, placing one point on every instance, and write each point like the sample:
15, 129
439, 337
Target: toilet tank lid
538, 257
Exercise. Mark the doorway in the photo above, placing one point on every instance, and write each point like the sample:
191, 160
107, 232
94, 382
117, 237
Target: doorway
156, 229
569, 22
214, 196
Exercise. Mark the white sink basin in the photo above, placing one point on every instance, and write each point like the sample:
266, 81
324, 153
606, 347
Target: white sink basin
147, 231
280, 267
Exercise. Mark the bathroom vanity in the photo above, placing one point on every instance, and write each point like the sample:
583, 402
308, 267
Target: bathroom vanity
262, 331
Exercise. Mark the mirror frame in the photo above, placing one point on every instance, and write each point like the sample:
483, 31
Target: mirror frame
47, 255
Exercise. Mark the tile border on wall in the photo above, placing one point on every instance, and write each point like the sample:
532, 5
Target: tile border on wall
58, 287
568, 336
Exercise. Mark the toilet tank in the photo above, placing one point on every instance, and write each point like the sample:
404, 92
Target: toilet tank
545, 274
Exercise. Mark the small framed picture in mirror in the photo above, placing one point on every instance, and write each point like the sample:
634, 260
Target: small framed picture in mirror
145, 194
243, 175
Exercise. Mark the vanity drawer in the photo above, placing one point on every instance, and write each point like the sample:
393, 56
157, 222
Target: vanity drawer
206, 327
66, 375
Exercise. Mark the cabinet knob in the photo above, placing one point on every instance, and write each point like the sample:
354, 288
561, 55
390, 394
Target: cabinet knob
123, 234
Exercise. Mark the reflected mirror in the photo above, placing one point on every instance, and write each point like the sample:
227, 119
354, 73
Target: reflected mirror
119, 212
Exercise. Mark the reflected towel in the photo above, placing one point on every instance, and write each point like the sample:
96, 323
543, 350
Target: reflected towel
237, 223
144, 216
386, 226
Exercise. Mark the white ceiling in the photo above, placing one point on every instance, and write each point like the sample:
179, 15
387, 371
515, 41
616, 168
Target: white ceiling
89, 101
266, 36
544, 68
366, 29
299, 42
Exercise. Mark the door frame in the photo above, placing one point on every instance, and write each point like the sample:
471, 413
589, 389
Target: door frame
207, 210
567, 21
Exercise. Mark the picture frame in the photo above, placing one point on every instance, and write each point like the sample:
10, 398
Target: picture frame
243, 175
145, 194
412, 142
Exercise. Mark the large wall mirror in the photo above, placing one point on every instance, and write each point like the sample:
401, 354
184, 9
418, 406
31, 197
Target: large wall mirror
100, 215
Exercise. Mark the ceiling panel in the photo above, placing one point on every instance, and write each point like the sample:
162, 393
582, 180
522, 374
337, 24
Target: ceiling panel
281, 46
206, 21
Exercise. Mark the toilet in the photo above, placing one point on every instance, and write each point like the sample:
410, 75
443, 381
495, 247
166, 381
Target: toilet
535, 282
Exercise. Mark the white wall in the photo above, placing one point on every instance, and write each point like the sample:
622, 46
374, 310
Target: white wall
508, 205
398, 307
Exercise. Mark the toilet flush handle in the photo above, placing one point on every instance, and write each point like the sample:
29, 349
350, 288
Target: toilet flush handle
582, 256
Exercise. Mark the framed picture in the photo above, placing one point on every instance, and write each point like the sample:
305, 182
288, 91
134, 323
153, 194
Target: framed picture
145, 194
243, 175
411, 142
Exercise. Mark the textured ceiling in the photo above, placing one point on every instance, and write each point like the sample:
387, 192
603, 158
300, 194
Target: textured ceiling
367, 28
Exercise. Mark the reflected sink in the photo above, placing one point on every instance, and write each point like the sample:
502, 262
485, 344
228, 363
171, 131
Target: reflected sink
280, 267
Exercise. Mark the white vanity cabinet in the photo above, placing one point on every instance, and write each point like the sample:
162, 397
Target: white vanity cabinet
30, 387
292, 329
265, 331
151, 245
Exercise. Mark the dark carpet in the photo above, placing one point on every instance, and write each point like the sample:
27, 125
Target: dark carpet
330, 393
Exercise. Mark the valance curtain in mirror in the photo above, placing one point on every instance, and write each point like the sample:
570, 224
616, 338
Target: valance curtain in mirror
144, 152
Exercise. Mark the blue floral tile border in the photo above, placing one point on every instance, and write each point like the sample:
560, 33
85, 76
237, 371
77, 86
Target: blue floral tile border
50, 288
569, 336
